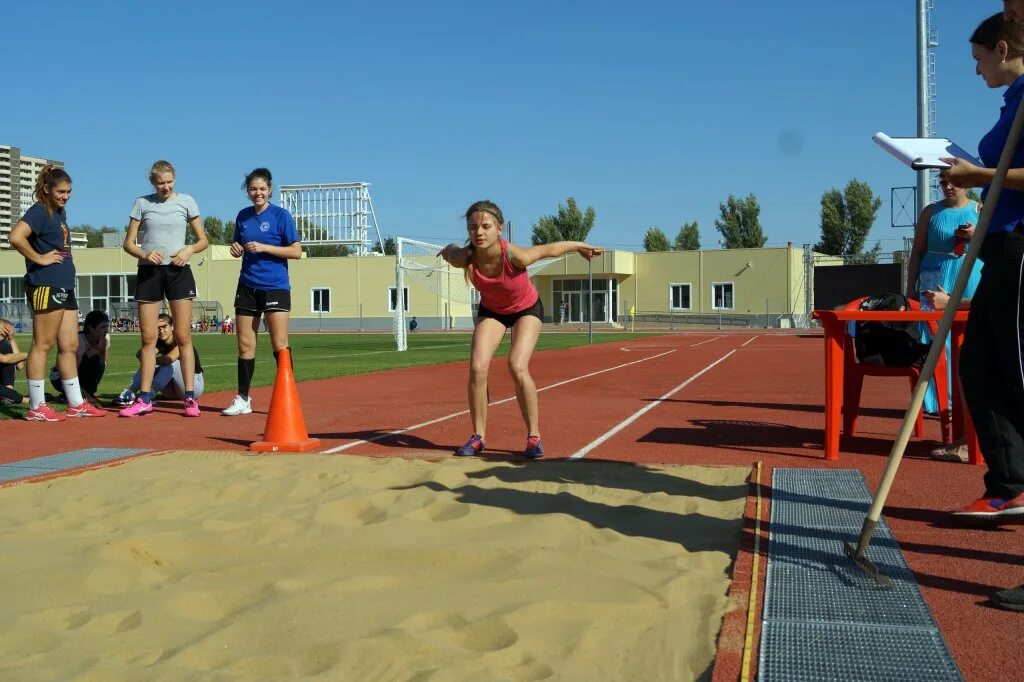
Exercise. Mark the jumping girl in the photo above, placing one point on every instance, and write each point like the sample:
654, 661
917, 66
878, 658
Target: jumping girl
508, 300
265, 238
160, 221
43, 238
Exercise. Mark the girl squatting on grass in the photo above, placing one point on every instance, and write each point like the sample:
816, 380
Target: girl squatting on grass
43, 238
159, 222
508, 300
265, 238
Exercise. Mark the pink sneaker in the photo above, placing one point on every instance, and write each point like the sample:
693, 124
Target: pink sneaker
139, 407
86, 409
44, 413
192, 408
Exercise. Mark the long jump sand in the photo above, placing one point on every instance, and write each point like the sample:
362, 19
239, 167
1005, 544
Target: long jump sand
219, 566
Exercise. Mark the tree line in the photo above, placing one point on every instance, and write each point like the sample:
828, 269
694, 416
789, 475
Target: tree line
846, 218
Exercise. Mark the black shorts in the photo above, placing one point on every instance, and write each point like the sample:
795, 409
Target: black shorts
509, 319
251, 302
157, 282
44, 298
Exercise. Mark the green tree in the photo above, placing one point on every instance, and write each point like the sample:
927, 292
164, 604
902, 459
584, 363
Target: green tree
846, 219
688, 238
569, 224
390, 246
655, 240
217, 231
739, 223
328, 250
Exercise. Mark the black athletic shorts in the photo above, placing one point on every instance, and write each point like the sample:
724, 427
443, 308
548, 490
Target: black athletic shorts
157, 282
44, 298
509, 319
251, 302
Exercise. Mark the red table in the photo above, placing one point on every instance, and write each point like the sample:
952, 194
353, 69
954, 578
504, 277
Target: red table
835, 322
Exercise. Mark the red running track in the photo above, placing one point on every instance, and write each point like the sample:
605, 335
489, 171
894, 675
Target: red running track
722, 399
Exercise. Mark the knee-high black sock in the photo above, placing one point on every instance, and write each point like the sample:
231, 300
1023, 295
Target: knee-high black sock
245, 372
277, 357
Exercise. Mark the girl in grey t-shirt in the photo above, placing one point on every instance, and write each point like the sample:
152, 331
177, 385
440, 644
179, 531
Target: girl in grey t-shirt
159, 222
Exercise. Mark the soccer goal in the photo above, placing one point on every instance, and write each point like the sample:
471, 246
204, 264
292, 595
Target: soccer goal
420, 272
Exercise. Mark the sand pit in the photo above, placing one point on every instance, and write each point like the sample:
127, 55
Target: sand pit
220, 566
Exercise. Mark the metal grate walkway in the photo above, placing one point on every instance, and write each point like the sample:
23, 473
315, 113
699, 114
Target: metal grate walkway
823, 618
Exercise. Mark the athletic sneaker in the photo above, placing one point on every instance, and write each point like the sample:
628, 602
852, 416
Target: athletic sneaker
1012, 599
534, 448
473, 446
238, 406
192, 408
139, 407
86, 409
124, 399
44, 413
991, 507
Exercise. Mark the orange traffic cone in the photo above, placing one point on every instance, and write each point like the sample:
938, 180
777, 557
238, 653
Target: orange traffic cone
286, 428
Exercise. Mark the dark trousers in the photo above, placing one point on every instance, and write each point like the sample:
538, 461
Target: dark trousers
9, 395
90, 372
992, 364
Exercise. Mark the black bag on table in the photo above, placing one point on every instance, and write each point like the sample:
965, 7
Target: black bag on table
888, 344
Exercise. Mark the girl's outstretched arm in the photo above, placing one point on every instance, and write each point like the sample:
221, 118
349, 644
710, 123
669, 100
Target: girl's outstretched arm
522, 257
455, 255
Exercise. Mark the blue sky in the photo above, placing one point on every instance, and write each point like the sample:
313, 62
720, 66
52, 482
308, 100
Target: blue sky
651, 112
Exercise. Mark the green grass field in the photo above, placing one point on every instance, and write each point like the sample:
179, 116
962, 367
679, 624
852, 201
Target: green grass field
317, 356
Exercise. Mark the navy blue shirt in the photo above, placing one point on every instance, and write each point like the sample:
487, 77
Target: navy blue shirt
49, 233
1010, 209
274, 226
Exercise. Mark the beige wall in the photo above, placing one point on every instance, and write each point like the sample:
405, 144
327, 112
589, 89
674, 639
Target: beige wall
359, 286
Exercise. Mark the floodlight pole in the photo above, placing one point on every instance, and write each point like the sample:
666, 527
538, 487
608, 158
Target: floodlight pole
590, 299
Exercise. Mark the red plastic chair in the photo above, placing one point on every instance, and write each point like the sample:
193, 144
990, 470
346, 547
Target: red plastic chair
854, 373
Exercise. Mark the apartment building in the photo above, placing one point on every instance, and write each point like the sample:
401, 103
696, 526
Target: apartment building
18, 175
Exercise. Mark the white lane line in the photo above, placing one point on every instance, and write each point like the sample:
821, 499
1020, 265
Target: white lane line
751, 340
303, 358
707, 341
579, 454
382, 436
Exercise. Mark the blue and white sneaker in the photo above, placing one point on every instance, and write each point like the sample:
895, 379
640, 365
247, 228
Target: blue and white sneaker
473, 446
126, 398
534, 448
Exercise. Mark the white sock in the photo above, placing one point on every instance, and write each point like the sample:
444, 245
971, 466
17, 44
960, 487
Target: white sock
72, 391
36, 392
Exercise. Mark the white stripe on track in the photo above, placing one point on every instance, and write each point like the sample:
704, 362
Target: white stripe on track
579, 454
382, 436
751, 340
706, 341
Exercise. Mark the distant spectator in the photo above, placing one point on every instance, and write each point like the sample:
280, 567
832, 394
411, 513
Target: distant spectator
413, 324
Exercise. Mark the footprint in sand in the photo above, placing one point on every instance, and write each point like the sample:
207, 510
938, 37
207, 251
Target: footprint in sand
489, 635
114, 623
441, 511
349, 512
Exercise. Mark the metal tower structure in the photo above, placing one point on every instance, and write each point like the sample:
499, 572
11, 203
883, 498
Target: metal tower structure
334, 213
927, 41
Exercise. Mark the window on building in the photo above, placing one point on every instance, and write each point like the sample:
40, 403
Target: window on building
679, 297
393, 299
722, 296
320, 300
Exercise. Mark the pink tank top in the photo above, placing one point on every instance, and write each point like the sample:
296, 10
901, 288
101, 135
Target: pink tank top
510, 292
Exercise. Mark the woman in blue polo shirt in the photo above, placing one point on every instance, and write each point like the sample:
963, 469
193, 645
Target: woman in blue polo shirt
265, 238
43, 238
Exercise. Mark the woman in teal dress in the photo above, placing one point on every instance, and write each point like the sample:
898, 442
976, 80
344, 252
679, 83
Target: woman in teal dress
940, 238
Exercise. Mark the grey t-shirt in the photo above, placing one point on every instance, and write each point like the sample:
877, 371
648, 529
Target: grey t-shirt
164, 222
